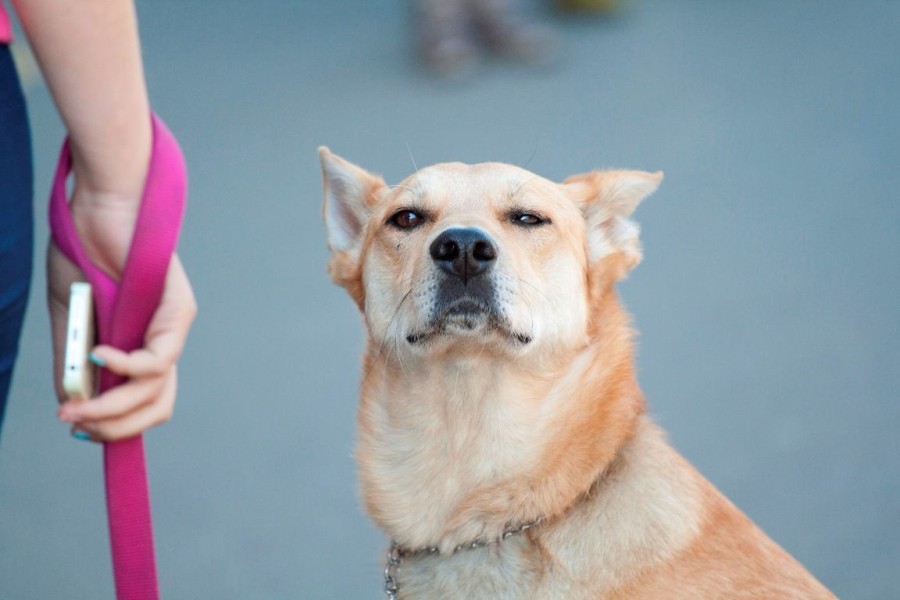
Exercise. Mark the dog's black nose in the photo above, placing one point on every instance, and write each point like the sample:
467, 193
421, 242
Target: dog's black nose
465, 253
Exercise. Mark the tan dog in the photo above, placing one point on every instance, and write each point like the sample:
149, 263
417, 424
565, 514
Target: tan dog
503, 440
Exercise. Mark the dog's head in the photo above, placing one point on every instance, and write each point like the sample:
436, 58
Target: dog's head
474, 258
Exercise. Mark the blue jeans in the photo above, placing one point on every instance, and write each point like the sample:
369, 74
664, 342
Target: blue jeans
16, 191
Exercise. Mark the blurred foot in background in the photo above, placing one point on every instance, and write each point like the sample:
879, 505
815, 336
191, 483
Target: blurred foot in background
454, 33
590, 6
445, 37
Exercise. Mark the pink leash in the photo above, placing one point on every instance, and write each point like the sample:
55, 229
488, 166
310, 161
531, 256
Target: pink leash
124, 310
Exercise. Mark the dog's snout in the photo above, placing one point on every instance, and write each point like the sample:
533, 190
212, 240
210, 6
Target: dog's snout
465, 253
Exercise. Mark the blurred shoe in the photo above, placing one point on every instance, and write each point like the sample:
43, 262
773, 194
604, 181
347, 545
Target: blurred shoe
444, 36
508, 33
598, 6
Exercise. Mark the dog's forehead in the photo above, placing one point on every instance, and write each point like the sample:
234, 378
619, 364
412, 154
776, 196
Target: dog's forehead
477, 186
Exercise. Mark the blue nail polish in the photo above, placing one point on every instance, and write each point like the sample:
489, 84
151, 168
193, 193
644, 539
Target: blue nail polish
81, 435
96, 360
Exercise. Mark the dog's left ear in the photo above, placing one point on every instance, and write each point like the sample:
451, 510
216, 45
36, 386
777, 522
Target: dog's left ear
607, 199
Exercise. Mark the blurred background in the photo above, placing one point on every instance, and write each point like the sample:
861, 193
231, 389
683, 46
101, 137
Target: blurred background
767, 301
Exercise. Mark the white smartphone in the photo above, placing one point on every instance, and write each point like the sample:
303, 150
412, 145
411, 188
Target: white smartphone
78, 373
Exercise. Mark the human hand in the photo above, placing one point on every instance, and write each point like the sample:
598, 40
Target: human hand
147, 398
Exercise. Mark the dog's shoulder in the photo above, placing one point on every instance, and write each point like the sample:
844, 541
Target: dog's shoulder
647, 508
654, 527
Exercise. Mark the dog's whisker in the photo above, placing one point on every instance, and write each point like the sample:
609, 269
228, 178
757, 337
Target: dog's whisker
387, 334
399, 356
535, 288
409, 151
530, 158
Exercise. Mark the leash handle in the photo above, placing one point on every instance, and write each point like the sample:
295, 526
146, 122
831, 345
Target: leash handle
124, 309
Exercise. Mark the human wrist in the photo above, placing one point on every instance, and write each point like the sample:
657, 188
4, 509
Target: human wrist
105, 223
114, 171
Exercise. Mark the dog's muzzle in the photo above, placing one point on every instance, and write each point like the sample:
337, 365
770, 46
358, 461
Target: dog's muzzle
465, 296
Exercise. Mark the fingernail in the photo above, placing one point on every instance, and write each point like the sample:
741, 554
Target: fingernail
81, 435
96, 360
66, 417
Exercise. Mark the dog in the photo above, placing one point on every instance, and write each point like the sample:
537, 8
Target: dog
503, 441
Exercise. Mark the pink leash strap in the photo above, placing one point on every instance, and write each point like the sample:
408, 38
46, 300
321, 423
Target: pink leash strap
124, 309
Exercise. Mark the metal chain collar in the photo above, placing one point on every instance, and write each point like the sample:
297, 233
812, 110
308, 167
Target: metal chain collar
396, 554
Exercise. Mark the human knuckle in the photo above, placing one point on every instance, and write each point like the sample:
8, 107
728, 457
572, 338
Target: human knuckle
163, 415
157, 368
105, 433
191, 310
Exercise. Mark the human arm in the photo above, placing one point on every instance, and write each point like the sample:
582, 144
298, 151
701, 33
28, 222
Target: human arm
89, 52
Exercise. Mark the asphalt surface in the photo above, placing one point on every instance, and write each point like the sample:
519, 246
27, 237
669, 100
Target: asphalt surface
767, 301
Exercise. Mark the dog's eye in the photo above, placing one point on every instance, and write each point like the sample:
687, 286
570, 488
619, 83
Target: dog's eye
406, 219
527, 219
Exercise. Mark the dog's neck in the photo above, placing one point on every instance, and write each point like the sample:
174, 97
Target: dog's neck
461, 449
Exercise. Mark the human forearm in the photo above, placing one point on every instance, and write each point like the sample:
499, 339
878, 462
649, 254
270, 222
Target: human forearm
89, 52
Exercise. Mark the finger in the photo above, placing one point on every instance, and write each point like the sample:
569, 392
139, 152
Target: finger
82, 434
117, 402
176, 312
169, 327
154, 360
142, 418
140, 363
166, 332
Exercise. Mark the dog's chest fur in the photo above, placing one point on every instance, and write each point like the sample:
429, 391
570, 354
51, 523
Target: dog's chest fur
644, 510
435, 440
498, 573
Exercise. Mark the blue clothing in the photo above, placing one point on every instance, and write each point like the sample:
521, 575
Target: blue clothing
16, 218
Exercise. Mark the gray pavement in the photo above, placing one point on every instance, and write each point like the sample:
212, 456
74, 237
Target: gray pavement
767, 301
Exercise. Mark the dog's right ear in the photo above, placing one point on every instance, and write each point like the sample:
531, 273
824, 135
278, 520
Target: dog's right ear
350, 193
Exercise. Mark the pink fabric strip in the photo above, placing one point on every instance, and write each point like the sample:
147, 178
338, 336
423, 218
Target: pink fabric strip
5, 26
124, 309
